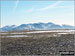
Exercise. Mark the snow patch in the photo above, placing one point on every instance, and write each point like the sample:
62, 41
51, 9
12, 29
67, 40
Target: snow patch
62, 33
19, 36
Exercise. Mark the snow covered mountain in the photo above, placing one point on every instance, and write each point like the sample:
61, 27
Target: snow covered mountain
36, 26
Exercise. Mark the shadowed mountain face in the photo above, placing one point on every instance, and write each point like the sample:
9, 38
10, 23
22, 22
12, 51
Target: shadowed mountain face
36, 26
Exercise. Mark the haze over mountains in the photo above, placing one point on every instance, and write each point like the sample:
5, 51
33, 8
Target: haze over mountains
36, 26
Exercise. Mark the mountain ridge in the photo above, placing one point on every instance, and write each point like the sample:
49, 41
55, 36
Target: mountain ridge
36, 26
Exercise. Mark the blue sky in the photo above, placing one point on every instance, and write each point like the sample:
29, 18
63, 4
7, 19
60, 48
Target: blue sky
24, 12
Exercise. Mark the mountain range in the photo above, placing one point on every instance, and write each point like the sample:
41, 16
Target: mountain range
36, 26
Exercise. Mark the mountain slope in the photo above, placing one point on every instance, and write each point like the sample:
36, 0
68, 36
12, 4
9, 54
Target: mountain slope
36, 26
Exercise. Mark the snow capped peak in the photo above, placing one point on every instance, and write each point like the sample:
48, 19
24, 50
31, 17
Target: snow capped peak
36, 26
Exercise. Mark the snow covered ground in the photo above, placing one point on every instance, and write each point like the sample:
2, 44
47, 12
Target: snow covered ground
68, 31
20, 36
56, 31
23, 34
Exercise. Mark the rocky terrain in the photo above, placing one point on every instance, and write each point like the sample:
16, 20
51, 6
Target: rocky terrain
36, 43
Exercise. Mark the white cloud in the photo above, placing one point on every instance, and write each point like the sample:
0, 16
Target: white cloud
16, 4
45, 8
65, 7
50, 6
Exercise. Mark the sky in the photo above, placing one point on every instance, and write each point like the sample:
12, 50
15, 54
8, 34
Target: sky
24, 12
